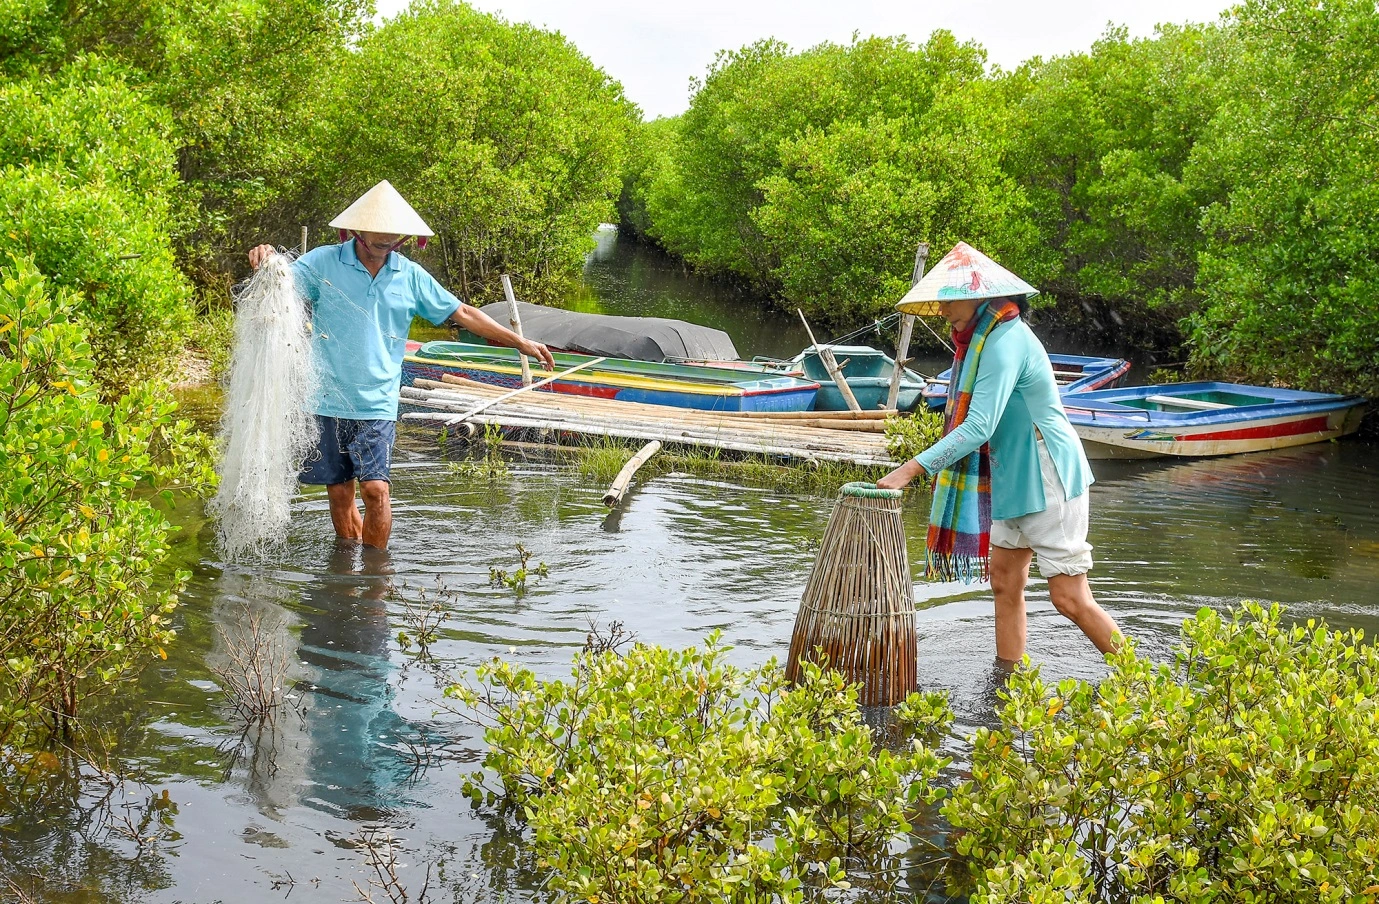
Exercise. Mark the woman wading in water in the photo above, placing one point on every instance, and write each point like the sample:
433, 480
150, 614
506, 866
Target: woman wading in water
1011, 476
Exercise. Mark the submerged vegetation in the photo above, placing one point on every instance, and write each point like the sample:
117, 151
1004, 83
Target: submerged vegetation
1207, 193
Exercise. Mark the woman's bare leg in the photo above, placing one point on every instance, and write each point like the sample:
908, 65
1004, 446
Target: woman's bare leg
1009, 573
1072, 596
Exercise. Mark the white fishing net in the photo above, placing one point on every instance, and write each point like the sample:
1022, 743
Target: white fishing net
267, 428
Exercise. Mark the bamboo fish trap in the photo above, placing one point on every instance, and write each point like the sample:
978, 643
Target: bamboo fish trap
858, 610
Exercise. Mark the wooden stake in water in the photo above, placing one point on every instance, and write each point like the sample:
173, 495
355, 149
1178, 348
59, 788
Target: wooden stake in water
831, 365
515, 319
907, 325
857, 615
620, 483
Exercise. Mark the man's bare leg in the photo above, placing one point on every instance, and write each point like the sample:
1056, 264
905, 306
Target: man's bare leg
1009, 574
378, 513
1072, 596
344, 514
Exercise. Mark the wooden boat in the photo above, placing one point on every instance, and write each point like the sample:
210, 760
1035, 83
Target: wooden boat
656, 383
868, 374
1074, 374
1205, 419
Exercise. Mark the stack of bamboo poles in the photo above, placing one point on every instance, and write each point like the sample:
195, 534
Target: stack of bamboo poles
842, 436
857, 615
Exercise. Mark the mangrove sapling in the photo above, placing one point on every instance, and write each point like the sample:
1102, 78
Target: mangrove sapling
517, 580
613, 640
488, 465
423, 616
380, 850
670, 775
254, 669
87, 596
1248, 770
907, 435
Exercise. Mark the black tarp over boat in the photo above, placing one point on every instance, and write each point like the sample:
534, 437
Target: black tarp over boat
638, 338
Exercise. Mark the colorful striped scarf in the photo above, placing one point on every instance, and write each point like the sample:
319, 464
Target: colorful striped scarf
959, 543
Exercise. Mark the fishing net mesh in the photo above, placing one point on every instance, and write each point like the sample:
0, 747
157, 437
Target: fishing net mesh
267, 428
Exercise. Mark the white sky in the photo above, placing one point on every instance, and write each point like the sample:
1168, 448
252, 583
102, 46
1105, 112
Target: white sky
653, 47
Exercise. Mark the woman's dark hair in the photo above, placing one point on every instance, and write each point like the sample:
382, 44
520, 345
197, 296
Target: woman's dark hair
1021, 302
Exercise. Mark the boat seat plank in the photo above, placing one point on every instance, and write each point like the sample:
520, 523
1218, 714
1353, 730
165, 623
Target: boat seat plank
1195, 404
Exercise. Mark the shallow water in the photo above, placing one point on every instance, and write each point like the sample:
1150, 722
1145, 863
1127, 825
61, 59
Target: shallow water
279, 814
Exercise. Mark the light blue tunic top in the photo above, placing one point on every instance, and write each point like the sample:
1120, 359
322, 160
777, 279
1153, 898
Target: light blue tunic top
1015, 392
359, 325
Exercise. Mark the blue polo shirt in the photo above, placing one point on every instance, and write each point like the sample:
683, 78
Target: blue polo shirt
359, 326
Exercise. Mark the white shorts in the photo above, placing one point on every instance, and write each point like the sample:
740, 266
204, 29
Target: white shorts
1058, 534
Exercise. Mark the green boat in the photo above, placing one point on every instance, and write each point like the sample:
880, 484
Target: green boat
868, 374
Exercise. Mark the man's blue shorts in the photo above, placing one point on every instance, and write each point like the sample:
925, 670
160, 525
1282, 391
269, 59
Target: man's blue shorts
350, 450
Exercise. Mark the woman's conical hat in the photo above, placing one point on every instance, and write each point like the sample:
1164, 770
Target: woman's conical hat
382, 209
964, 273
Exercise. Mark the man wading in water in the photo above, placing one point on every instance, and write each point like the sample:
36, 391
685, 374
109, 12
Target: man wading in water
363, 295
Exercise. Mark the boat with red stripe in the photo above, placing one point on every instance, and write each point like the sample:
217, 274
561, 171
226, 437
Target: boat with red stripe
651, 382
1207, 419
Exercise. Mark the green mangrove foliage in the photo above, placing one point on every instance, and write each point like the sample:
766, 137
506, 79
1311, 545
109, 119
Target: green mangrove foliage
909, 435
87, 173
671, 776
1246, 770
814, 175
1103, 146
1207, 191
506, 138
1289, 271
82, 579
232, 82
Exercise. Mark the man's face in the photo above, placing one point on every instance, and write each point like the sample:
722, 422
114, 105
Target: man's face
378, 244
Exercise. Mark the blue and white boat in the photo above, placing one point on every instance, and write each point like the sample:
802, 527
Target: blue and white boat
1206, 419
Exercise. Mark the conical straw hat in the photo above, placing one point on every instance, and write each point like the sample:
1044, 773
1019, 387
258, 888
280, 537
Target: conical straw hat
964, 273
382, 209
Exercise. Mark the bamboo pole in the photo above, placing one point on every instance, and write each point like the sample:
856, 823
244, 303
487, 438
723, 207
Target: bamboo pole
603, 410
502, 398
878, 414
612, 407
841, 443
907, 325
304, 235
515, 320
619, 485
752, 448
831, 365
805, 438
